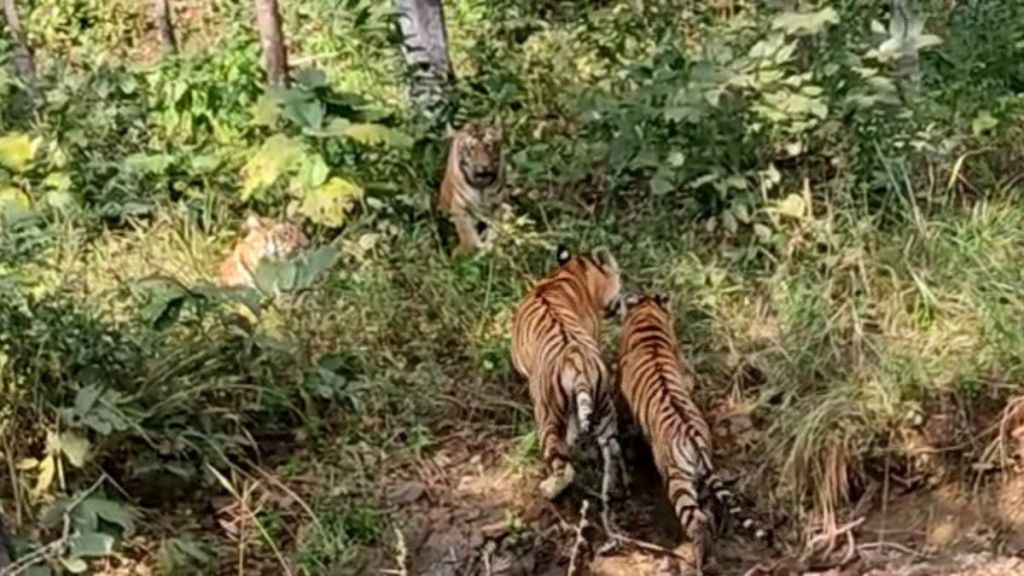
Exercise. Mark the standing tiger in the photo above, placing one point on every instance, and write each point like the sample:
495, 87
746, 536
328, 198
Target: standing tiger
658, 392
472, 181
556, 347
264, 238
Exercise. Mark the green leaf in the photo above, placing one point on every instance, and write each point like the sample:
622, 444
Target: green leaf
266, 276
805, 23
38, 570
85, 398
661, 183
983, 123
314, 171
318, 262
170, 313
92, 545
265, 112
369, 134
330, 203
17, 151
763, 233
311, 78
142, 163
14, 200
792, 206
74, 447
112, 512
74, 565
47, 471
276, 157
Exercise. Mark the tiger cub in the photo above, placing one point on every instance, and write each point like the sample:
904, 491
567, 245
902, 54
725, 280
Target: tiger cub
556, 348
264, 238
658, 391
472, 181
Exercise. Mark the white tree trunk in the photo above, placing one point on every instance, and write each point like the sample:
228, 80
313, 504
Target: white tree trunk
905, 23
24, 64
425, 48
268, 20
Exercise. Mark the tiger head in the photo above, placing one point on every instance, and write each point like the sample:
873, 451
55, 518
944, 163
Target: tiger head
600, 273
478, 150
634, 302
280, 239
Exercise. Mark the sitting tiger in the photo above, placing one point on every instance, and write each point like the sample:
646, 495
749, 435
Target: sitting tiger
264, 238
472, 182
658, 391
555, 346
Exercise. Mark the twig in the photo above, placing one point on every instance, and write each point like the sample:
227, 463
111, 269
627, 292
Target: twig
894, 546
580, 541
402, 553
831, 535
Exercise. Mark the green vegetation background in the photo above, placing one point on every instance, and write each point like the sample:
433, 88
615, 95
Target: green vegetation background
841, 232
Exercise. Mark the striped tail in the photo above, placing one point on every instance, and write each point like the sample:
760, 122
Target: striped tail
575, 382
738, 508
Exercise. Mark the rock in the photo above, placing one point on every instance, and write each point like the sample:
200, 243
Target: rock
495, 530
407, 492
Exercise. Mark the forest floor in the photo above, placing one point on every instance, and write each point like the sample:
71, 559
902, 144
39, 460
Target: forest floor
471, 507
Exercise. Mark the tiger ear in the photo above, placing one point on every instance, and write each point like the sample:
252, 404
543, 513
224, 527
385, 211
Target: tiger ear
630, 300
663, 300
563, 254
603, 258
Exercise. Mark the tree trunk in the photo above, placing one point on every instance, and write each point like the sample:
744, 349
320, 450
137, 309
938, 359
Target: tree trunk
24, 64
165, 26
268, 19
425, 48
904, 23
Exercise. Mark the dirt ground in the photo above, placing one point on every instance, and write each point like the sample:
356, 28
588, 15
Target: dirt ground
472, 508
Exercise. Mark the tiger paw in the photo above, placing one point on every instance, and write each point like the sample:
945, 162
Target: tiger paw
557, 482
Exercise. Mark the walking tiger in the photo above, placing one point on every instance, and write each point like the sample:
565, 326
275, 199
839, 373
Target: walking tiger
556, 347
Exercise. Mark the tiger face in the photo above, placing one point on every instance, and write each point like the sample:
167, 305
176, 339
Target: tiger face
264, 238
478, 149
280, 239
600, 273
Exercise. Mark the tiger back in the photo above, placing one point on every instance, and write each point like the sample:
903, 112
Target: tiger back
556, 348
264, 238
472, 182
658, 392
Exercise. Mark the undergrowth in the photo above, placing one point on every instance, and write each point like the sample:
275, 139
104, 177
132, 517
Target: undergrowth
842, 248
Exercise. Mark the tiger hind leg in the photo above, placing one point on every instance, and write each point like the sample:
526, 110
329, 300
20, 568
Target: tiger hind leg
554, 451
695, 521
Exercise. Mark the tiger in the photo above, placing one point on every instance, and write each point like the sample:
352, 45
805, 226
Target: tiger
658, 391
264, 238
472, 182
555, 347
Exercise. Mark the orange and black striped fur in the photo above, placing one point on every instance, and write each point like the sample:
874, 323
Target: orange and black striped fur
556, 347
658, 390
472, 182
